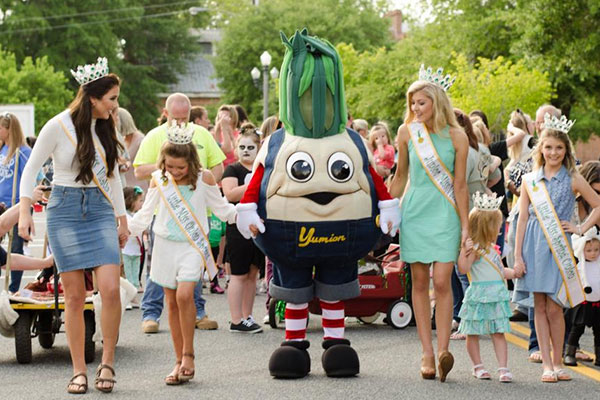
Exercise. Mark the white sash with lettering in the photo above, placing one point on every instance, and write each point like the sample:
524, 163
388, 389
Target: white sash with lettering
99, 166
433, 165
182, 214
571, 291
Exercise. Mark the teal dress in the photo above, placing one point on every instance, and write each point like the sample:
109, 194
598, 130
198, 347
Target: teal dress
485, 309
430, 227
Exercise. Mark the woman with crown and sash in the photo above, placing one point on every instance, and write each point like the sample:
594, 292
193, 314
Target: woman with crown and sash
81, 225
432, 149
543, 252
181, 190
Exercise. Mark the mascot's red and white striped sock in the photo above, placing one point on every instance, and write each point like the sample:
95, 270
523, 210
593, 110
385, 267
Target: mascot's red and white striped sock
296, 316
333, 319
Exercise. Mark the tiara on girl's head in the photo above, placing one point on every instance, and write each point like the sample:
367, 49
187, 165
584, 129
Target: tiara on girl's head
559, 124
437, 78
485, 202
91, 72
180, 133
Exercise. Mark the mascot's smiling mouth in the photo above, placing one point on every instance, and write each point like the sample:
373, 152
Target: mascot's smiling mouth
322, 198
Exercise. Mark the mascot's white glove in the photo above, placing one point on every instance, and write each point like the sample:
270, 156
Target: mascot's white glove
389, 211
247, 216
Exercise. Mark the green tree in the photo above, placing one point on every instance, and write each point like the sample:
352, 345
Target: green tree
33, 82
146, 43
497, 87
560, 38
256, 29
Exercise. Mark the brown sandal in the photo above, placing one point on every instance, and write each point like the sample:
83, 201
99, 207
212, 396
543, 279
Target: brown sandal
428, 367
173, 379
100, 380
186, 374
445, 364
81, 387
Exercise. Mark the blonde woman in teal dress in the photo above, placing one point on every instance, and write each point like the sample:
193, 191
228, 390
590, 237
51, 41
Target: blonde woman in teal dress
432, 227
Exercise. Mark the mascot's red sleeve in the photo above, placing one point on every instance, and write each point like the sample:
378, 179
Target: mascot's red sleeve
252, 191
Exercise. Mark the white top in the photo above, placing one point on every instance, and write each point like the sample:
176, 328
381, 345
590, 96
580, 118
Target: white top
204, 196
132, 247
590, 274
53, 140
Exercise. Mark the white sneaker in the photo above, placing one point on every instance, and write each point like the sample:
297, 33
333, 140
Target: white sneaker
129, 306
266, 319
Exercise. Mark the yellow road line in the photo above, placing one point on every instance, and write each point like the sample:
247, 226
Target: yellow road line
524, 344
523, 330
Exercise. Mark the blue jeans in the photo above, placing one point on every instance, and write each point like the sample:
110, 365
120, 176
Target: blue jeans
533, 342
17, 247
152, 302
460, 283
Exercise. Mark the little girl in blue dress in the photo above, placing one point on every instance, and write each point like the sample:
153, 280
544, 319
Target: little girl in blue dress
485, 309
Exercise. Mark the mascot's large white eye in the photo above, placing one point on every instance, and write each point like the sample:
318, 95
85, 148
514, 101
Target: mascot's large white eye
300, 167
340, 167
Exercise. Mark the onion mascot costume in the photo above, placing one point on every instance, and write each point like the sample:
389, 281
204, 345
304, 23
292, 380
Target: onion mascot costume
318, 204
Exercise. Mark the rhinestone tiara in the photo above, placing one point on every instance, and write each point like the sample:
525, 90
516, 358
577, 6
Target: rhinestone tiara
485, 202
91, 72
180, 133
559, 124
437, 78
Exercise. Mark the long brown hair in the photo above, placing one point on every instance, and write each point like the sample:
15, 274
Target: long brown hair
81, 114
16, 139
465, 122
186, 151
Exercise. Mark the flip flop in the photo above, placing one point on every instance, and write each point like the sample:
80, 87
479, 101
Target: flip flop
562, 375
186, 374
99, 380
549, 376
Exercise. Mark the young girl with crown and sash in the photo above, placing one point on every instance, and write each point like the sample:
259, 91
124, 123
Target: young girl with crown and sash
181, 190
485, 308
543, 251
432, 149
81, 225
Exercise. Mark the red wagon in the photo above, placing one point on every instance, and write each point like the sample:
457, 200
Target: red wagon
383, 293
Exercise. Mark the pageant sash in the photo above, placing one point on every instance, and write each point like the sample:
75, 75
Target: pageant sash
491, 263
433, 165
182, 214
571, 291
99, 166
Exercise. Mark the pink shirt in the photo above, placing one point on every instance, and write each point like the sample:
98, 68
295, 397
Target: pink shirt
387, 158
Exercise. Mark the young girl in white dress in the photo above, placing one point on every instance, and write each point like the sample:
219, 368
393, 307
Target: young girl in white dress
485, 309
181, 190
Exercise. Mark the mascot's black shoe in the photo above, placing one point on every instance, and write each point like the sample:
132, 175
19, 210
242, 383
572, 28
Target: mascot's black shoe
291, 360
339, 359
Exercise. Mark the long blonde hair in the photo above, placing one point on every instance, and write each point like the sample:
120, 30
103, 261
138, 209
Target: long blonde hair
517, 118
443, 113
484, 227
538, 157
16, 139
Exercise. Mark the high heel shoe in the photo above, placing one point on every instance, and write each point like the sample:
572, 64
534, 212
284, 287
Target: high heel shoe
445, 364
428, 367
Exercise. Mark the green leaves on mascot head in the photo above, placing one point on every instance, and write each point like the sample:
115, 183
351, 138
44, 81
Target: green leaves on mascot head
311, 87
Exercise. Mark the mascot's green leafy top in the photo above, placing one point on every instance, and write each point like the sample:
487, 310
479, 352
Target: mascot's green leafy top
311, 88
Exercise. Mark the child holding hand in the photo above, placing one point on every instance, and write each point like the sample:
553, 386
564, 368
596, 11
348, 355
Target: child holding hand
485, 309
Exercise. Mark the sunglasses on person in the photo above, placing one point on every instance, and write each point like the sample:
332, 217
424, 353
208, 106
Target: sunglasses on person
137, 190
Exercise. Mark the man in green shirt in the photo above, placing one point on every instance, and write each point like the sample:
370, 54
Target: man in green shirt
177, 108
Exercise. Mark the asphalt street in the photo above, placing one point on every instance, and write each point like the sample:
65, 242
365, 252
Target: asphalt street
234, 366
